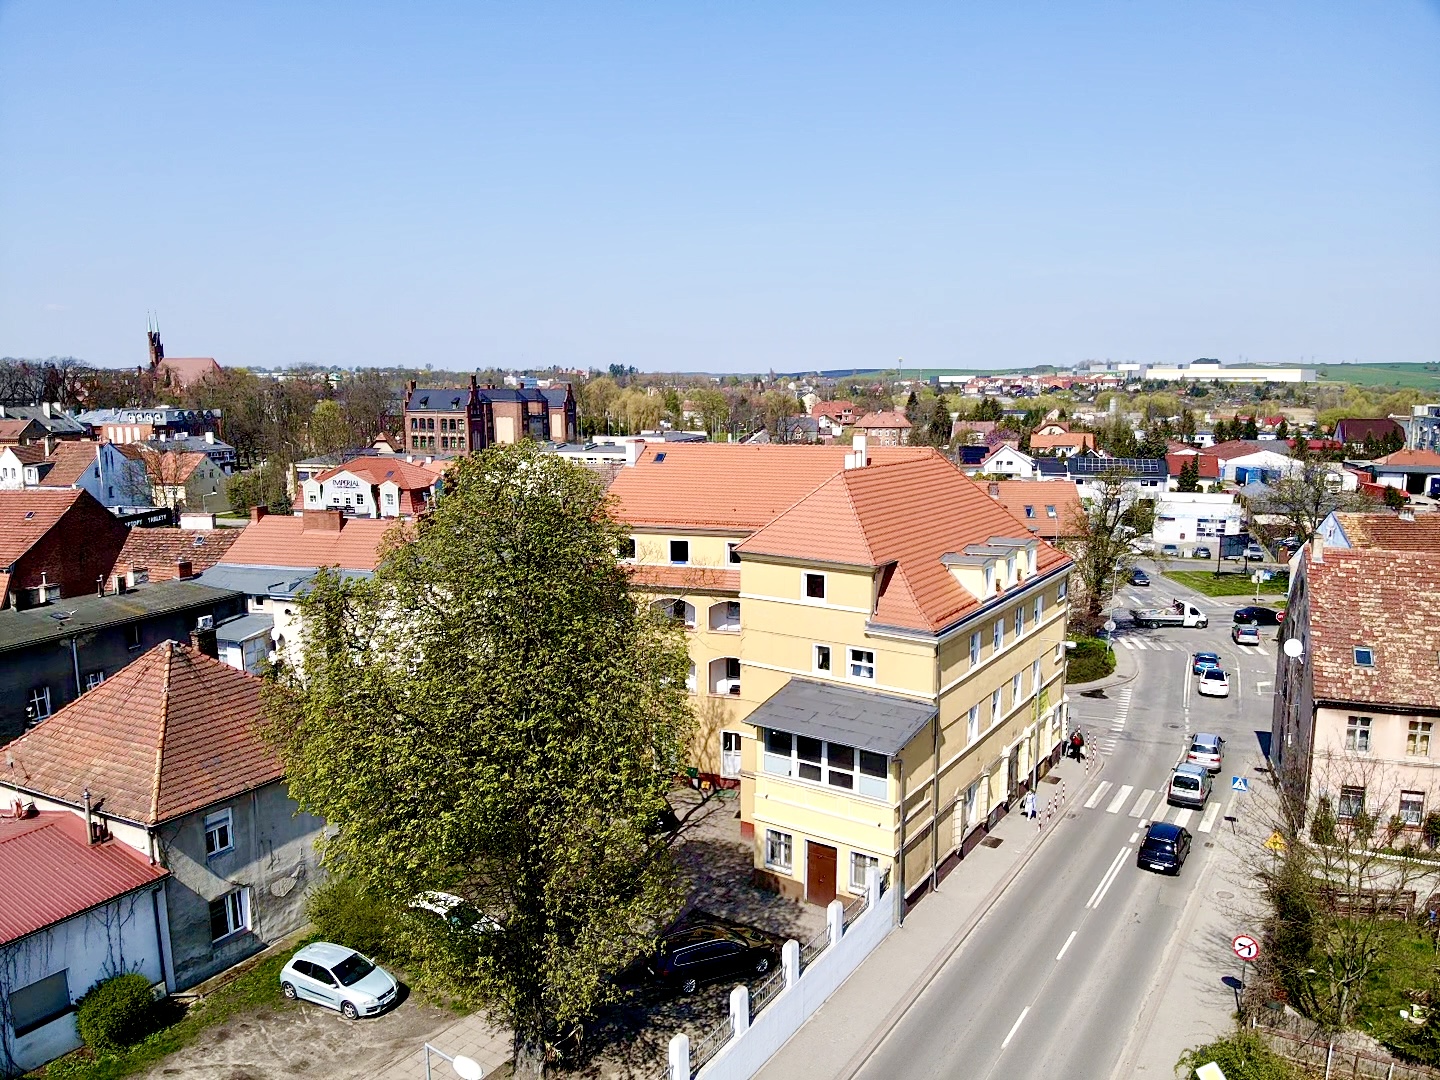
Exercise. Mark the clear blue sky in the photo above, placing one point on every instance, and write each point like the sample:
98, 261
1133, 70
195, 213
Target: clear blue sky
721, 186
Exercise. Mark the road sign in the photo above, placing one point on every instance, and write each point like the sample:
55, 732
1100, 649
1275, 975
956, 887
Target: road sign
1239, 783
1110, 626
1245, 946
1276, 842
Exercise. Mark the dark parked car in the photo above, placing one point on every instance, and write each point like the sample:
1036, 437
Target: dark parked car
709, 950
1164, 848
1139, 577
1258, 616
1201, 552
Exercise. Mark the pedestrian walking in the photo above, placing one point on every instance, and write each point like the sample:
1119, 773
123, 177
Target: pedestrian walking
1030, 806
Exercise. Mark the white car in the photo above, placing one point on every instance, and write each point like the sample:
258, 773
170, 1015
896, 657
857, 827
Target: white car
1214, 683
338, 978
458, 912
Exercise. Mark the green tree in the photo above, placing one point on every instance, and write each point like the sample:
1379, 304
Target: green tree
1250, 430
1101, 547
1242, 1055
493, 715
1190, 474
1282, 429
1394, 498
329, 430
987, 408
912, 408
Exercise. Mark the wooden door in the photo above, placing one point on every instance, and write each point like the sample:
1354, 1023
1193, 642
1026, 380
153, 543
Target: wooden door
819, 872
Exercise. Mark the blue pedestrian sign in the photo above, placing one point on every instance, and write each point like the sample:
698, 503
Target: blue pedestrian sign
1239, 783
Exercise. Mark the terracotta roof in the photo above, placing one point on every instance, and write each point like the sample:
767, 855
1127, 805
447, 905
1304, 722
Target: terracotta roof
1080, 439
868, 517
1206, 465
1358, 429
71, 459
51, 873
882, 421
27, 455
1384, 601
1392, 532
378, 470
728, 486
698, 578
186, 370
11, 428
172, 732
284, 540
834, 409
26, 516
1413, 459
1032, 500
158, 550
171, 467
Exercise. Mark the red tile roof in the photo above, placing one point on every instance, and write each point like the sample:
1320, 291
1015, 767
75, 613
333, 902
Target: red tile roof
12, 429
26, 516
697, 578
171, 467
1384, 601
27, 455
284, 540
911, 514
158, 550
71, 459
1083, 440
187, 370
1243, 447
1208, 468
727, 486
1411, 459
1358, 429
882, 421
379, 470
1038, 497
169, 734
1392, 532
835, 409
51, 873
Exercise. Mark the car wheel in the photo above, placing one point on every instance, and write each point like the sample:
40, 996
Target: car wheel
1204, 623
288, 990
762, 965
689, 986
348, 1010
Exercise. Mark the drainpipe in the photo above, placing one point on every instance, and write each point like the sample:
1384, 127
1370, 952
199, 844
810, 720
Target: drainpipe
75, 661
900, 857
935, 810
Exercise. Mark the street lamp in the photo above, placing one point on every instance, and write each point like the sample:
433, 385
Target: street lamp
465, 1068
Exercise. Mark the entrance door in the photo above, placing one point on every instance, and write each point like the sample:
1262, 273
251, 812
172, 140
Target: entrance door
729, 753
1013, 770
819, 872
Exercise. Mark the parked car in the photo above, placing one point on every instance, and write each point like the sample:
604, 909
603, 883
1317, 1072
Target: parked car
1214, 683
1201, 552
1255, 553
1207, 750
1245, 634
338, 978
1170, 550
1259, 616
1290, 544
708, 950
1139, 577
1202, 661
458, 912
1165, 848
1189, 786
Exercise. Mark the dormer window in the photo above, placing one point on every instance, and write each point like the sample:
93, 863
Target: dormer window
1364, 657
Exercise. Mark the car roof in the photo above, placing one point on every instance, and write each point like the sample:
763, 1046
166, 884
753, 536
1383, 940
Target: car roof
1207, 656
1214, 673
706, 931
323, 952
1205, 737
1191, 769
1163, 830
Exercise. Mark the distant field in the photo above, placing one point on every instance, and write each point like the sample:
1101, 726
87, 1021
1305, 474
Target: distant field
1420, 376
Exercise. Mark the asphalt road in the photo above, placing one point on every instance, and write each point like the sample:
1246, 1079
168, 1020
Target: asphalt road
1052, 981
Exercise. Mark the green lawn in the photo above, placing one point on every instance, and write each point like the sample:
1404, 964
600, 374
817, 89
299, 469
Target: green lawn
1421, 376
1227, 584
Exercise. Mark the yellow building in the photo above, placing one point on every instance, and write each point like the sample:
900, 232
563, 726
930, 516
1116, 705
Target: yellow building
877, 648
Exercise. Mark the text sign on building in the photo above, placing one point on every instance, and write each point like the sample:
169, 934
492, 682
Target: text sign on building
345, 483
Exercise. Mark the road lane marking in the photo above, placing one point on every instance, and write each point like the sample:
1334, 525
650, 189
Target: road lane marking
1261, 650
1105, 888
1119, 800
1138, 810
1126, 643
1208, 821
1098, 794
1066, 945
1134, 836
1183, 818
1109, 874
1016, 1028
1167, 646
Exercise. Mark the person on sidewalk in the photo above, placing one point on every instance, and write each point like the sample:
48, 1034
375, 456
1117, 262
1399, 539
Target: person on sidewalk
1077, 744
1029, 806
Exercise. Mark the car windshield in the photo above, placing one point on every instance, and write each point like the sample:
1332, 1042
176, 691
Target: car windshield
1155, 844
1202, 748
352, 969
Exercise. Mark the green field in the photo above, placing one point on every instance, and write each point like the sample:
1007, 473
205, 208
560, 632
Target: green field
1419, 376
1227, 584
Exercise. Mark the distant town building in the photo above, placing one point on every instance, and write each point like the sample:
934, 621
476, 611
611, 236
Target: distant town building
459, 420
1423, 428
375, 487
54, 420
142, 425
179, 372
884, 428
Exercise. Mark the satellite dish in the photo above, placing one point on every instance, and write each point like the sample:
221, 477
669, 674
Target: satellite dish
1293, 648
466, 1068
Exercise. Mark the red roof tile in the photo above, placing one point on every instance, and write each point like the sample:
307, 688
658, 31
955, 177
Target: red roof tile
29, 454
883, 421
187, 370
284, 540
1414, 459
71, 459
12, 429
1206, 465
697, 578
1243, 447
26, 516
51, 873
1358, 429
1392, 532
170, 467
158, 550
1030, 501
379, 470
171, 733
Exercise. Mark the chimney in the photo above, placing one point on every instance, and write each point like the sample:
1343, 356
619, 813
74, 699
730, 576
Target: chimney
1407, 515
1317, 549
472, 382
411, 385
210, 437
184, 569
632, 453
50, 442
858, 457
331, 521
89, 820
100, 585
257, 512
45, 409
203, 640
994, 489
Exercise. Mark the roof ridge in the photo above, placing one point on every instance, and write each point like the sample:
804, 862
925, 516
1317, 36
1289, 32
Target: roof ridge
163, 731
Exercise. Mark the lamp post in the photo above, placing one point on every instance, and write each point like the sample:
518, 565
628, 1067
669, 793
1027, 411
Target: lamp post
465, 1068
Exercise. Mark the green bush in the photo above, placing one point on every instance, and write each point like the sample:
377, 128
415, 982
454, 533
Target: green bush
344, 912
116, 1012
1091, 659
1241, 1056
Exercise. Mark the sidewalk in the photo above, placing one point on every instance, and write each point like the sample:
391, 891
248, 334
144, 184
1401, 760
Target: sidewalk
470, 1035
836, 1040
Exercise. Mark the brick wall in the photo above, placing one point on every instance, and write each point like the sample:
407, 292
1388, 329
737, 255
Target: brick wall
81, 547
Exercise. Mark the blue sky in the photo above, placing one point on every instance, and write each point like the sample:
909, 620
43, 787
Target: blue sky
725, 186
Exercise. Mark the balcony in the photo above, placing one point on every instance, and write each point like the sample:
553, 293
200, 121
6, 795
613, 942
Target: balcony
725, 617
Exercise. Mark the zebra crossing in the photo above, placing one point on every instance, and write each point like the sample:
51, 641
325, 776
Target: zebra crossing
1105, 739
1181, 816
1138, 644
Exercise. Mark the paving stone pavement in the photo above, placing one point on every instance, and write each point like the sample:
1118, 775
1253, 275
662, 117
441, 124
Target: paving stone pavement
472, 1036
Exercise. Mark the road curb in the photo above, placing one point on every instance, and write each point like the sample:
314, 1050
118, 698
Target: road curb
951, 947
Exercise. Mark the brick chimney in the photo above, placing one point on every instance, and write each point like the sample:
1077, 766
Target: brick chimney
203, 640
994, 490
184, 569
331, 521
257, 512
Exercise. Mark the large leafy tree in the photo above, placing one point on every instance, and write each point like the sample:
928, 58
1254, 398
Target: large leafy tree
1305, 497
1101, 542
493, 715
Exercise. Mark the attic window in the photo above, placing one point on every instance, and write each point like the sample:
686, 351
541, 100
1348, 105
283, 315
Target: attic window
1029, 511
1364, 657
1049, 511
660, 457
29, 514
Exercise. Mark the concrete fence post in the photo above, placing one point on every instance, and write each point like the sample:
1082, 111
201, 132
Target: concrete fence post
872, 886
790, 962
679, 1057
835, 920
739, 1010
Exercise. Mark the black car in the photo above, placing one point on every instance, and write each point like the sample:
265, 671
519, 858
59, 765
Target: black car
709, 950
1257, 616
1139, 577
1164, 848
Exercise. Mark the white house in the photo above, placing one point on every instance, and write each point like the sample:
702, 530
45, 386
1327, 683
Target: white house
373, 487
13, 463
1187, 519
1008, 462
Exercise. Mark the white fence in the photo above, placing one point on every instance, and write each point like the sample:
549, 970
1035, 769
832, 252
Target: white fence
752, 1041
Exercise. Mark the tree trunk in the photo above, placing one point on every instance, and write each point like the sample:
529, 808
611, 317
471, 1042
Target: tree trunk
529, 1057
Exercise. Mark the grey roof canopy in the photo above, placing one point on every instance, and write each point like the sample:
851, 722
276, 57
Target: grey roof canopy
865, 719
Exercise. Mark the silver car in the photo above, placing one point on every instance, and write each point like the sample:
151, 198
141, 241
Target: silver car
1189, 786
1207, 750
338, 978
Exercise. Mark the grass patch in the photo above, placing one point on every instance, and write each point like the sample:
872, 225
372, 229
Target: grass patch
1091, 659
256, 989
1421, 376
1405, 972
1205, 581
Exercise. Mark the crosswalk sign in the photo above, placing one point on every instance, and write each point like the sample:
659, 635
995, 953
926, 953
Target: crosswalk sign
1239, 783
1276, 843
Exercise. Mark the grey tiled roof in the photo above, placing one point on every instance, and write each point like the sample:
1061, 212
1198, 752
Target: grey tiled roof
865, 719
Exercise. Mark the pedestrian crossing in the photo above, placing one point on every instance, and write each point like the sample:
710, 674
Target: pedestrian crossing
1181, 816
1138, 644
1106, 738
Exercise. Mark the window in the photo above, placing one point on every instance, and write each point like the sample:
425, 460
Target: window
860, 865
1064, 590
822, 659
862, 664
815, 586
1364, 657
731, 553
1050, 512
627, 548
94, 679
1357, 734
1035, 677
680, 552
1352, 802
874, 774
132, 636
832, 764
1029, 511
36, 1005
730, 753
1015, 687
975, 648
778, 847
228, 915
39, 707
998, 635
809, 757
989, 578
218, 837
779, 752
972, 724
1020, 621
1412, 808
1039, 608
995, 707
690, 678
1059, 652
1417, 742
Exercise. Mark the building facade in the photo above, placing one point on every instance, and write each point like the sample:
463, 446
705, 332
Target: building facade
460, 420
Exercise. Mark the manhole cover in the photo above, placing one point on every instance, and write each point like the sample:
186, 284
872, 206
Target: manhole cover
1092, 693
1222, 894
1209, 843
991, 841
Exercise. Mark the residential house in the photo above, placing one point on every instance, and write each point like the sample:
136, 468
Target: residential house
52, 419
1194, 519
1356, 432
1050, 509
1422, 429
1006, 460
884, 428
115, 475
185, 480
1357, 709
974, 432
373, 487
1388, 530
167, 757
833, 417
459, 420
20, 432
217, 450
152, 422
1207, 466
1057, 438
1148, 478
14, 461
1248, 461
77, 908
54, 545
1416, 472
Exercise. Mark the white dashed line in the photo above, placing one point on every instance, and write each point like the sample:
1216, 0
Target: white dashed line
1068, 940
1016, 1028
1098, 794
